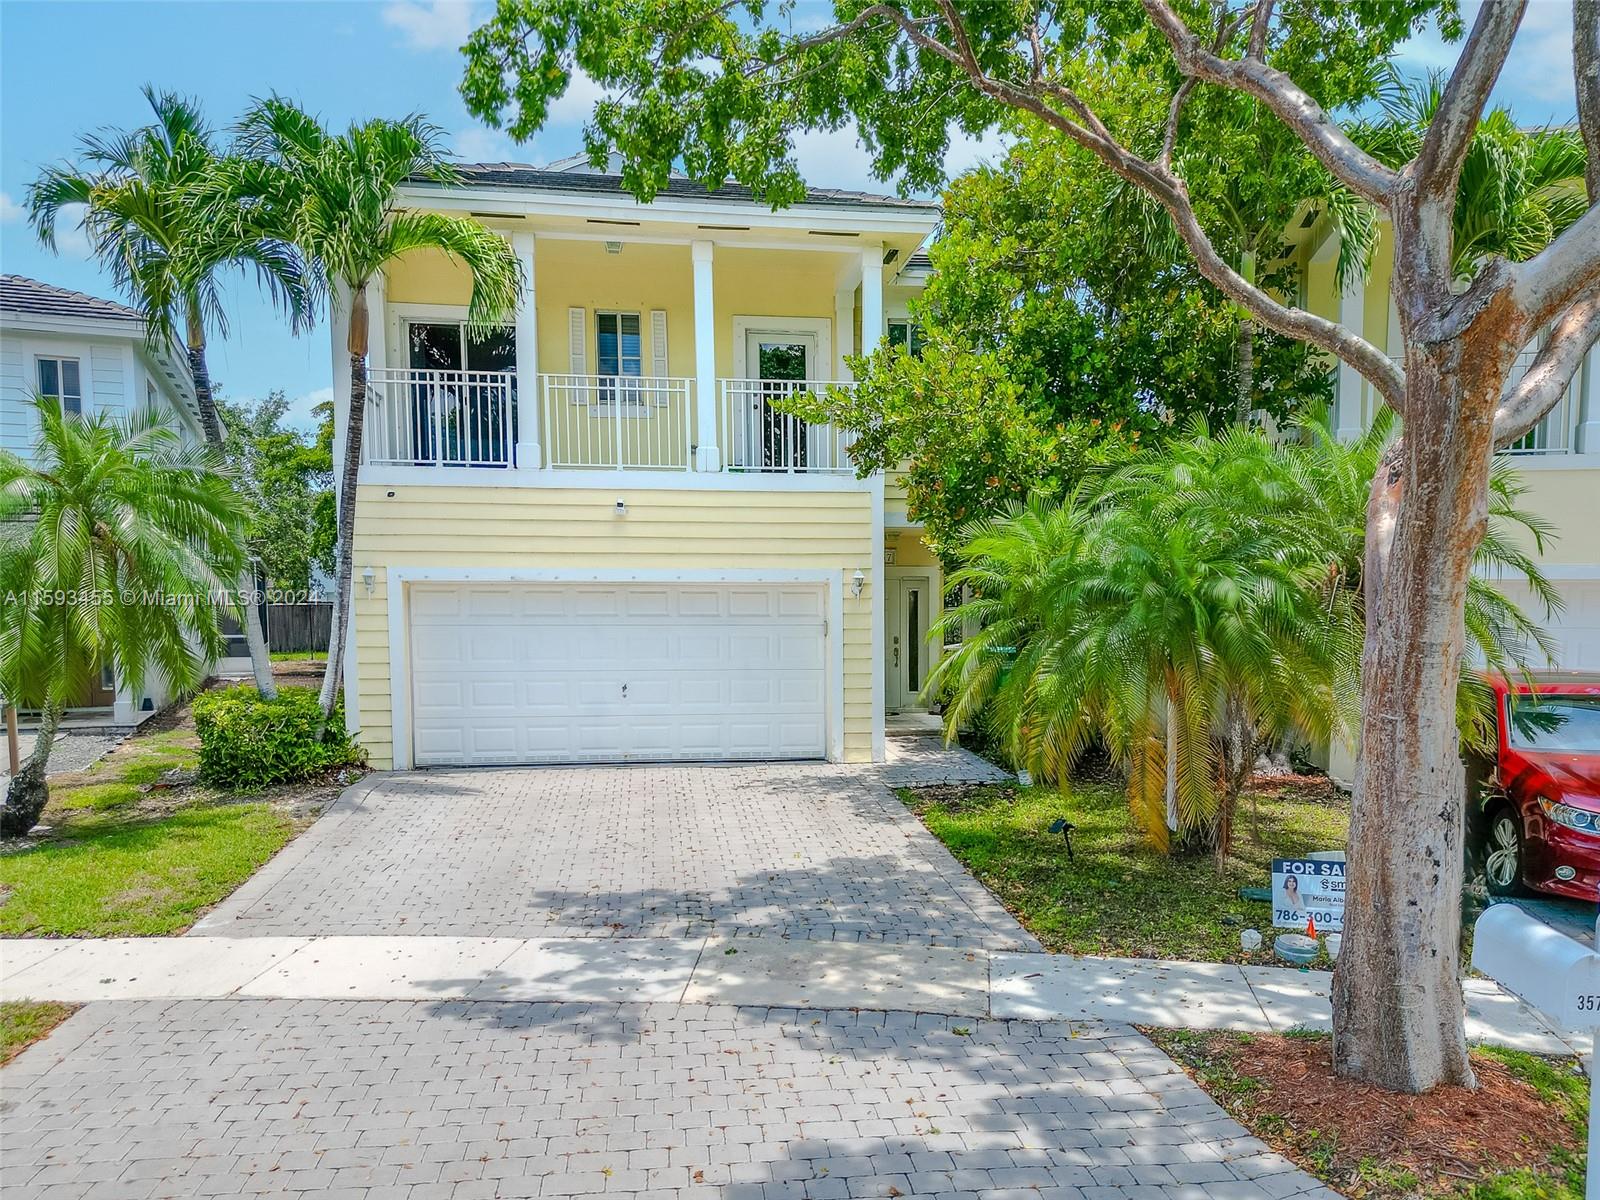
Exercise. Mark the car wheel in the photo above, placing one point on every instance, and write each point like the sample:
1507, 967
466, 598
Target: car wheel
1502, 854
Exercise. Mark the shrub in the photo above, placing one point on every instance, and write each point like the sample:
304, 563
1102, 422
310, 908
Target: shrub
247, 742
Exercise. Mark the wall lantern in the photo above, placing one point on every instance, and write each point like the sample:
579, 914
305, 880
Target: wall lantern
857, 582
368, 575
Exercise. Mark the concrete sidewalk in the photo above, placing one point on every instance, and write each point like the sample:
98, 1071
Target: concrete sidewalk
716, 971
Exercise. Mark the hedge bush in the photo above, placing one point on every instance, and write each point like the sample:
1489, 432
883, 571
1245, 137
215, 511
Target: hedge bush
247, 742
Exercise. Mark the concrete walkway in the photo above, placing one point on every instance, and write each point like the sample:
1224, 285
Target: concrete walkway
742, 971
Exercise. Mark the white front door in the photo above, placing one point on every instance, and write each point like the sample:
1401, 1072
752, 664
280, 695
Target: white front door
601, 672
906, 621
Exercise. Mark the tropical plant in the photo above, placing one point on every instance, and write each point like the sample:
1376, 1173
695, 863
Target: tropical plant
338, 197
1174, 610
118, 547
166, 214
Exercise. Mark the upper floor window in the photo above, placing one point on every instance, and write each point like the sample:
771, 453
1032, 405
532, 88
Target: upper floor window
60, 380
907, 334
618, 344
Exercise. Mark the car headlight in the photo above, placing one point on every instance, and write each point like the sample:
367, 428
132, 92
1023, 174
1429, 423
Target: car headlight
1573, 818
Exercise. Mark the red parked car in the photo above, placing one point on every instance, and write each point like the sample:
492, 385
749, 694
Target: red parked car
1540, 822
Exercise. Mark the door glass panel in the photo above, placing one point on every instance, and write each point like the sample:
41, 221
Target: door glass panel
435, 347
495, 350
782, 360
913, 641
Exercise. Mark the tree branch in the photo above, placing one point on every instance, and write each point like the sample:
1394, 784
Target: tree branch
1350, 164
1437, 167
1525, 402
1586, 72
1544, 285
1259, 28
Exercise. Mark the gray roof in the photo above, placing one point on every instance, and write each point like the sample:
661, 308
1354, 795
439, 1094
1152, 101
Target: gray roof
19, 294
521, 175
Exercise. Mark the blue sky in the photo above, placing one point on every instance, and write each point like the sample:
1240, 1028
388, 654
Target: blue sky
70, 67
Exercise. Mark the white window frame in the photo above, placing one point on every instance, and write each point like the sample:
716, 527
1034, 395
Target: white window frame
59, 359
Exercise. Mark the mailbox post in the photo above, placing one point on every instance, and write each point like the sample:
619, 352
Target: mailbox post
1556, 975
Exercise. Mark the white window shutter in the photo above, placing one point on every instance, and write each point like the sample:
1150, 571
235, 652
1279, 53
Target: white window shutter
658, 348
577, 341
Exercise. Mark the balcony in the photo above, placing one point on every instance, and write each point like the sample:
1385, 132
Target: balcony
463, 420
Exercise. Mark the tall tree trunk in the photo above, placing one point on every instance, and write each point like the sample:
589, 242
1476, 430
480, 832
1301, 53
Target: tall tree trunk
1242, 746
27, 793
355, 422
1398, 1009
211, 426
1245, 382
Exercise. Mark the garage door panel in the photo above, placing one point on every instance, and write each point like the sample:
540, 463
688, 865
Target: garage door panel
536, 672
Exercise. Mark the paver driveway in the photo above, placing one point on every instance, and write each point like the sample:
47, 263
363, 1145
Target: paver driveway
460, 1100
814, 850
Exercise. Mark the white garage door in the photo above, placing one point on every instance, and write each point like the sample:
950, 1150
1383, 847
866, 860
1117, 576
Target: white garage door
599, 672
1576, 628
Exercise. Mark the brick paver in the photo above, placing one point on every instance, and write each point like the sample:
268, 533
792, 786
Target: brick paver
422, 1100
803, 850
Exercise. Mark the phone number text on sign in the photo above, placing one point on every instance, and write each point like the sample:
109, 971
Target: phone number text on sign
1308, 889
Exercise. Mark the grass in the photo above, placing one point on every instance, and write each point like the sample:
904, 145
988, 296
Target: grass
283, 656
1439, 1172
23, 1022
1117, 896
125, 859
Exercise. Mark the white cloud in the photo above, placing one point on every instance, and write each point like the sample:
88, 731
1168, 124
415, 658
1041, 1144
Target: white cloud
71, 240
477, 144
299, 414
576, 104
10, 210
431, 24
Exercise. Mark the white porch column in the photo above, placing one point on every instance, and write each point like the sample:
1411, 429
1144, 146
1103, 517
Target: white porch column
1586, 387
529, 454
1348, 424
844, 327
872, 328
707, 457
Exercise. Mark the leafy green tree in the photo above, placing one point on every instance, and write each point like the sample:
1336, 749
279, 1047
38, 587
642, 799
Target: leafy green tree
284, 479
167, 215
1056, 329
338, 200
722, 90
118, 546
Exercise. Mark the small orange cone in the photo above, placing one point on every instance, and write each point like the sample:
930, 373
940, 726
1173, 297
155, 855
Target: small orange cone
1311, 928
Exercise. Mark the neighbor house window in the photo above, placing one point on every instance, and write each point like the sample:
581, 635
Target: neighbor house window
619, 346
60, 380
907, 334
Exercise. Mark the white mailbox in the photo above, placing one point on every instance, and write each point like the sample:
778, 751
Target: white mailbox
1555, 974
1552, 972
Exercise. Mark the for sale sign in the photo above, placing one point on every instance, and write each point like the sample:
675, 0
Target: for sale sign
1308, 889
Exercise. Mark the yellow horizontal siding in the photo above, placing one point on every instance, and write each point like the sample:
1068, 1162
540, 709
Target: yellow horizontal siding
578, 528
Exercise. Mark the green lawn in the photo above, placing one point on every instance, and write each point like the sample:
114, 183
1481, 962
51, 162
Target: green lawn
281, 656
23, 1022
121, 860
1119, 897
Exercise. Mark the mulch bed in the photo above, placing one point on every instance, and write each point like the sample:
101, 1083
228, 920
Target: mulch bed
1284, 1090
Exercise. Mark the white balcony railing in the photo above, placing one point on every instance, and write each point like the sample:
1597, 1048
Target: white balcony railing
618, 422
756, 436
440, 418
1556, 433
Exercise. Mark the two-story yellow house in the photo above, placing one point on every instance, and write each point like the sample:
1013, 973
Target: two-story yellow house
590, 536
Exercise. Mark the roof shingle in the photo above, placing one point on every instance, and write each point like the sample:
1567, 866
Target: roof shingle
521, 175
19, 294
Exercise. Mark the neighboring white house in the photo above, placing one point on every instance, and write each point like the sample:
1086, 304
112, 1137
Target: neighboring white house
88, 355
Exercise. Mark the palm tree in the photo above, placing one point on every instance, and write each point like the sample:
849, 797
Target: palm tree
1171, 612
338, 194
118, 545
166, 215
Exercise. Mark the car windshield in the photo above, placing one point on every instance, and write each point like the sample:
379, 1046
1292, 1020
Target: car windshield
1560, 724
